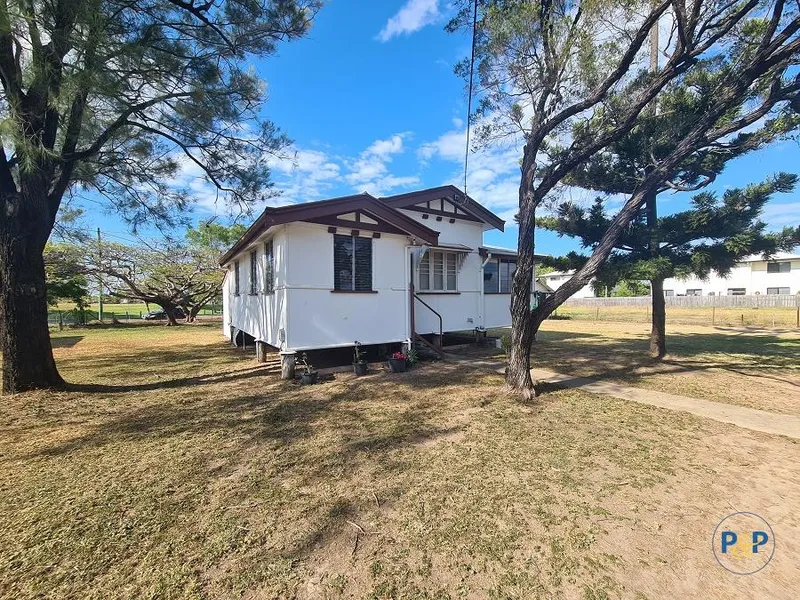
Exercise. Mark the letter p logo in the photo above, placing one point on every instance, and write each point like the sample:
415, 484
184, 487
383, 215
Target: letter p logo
759, 539
729, 539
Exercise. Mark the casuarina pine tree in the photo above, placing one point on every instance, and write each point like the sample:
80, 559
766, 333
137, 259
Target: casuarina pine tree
112, 98
711, 236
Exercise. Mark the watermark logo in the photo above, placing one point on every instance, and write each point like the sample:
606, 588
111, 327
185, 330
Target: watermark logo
743, 543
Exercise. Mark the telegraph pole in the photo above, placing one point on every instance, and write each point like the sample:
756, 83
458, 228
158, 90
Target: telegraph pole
99, 275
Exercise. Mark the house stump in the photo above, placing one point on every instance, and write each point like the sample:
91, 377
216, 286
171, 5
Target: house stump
261, 352
288, 362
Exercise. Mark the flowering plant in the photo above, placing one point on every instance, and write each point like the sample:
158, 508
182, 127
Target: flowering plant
399, 356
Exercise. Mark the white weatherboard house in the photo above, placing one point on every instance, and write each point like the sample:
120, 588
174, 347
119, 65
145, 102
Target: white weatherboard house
377, 270
751, 276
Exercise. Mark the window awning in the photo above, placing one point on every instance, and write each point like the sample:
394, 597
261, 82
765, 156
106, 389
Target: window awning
460, 249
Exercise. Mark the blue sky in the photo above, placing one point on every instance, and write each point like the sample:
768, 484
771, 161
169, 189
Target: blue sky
371, 102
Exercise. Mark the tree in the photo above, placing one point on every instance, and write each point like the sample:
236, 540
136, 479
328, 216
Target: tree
112, 97
569, 78
713, 235
623, 165
65, 277
170, 274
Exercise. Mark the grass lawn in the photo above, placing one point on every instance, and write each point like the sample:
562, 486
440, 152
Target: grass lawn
758, 369
730, 317
175, 469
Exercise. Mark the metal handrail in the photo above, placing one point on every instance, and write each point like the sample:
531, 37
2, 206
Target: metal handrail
430, 308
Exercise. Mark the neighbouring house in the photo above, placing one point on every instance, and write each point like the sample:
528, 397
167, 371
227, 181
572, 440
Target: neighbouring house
378, 270
753, 275
556, 279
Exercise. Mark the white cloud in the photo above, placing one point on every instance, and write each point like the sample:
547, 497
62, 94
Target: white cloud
781, 214
370, 171
413, 16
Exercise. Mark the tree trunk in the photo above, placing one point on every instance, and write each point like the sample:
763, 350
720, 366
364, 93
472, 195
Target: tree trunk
25, 337
192, 313
518, 372
170, 312
658, 331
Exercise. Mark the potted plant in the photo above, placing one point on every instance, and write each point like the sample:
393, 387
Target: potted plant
309, 375
397, 362
359, 364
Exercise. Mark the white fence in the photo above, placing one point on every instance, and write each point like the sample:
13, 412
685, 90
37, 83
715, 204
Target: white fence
756, 301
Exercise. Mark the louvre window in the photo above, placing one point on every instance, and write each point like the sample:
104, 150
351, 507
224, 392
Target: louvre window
236, 287
269, 268
438, 271
253, 272
352, 263
779, 267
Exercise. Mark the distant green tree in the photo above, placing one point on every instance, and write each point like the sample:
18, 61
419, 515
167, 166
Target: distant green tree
712, 236
66, 279
115, 97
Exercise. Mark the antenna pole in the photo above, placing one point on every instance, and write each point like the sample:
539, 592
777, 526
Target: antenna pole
469, 97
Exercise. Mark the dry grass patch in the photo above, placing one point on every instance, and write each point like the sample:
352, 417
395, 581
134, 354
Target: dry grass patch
753, 368
177, 470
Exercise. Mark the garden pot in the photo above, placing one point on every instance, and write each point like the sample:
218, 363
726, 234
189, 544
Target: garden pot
398, 365
360, 368
309, 378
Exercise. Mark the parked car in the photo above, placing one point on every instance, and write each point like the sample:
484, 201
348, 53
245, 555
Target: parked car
157, 315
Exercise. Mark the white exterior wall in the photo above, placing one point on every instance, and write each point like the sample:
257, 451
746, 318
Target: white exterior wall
557, 279
318, 317
469, 308
261, 315
752, 276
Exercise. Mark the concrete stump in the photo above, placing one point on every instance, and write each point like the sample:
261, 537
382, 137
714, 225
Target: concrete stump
288, 363
261, 352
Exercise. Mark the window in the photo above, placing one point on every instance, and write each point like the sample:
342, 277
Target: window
669, 292
438, 271
491, 277
352, 263
269, 268
778, 290
736, 291
779, 267
694, 292
236, 278
498, 275
253, 272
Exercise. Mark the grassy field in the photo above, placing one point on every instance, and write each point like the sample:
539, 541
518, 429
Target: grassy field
731, 317
758, 369
175, 469
120, 311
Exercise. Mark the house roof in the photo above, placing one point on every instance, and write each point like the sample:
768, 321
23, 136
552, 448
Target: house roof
454, 195
485, 250
310, 211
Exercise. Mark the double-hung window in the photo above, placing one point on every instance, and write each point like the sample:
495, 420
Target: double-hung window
352, 263
269, 268
253, 272
438, 271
